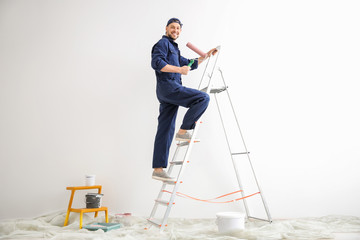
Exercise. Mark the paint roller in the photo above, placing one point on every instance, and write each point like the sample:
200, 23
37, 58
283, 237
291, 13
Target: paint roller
195, 49
198, 51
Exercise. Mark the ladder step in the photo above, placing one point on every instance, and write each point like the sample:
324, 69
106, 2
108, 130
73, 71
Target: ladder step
261, 219
215, 90
240, 153
154, 222
218, 90
162, 202
169, 182
177, 162
183, 143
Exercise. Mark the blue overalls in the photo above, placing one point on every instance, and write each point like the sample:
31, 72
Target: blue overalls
171, 94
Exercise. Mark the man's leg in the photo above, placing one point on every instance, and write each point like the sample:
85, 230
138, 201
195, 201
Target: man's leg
197, 106
164, 135
193, 99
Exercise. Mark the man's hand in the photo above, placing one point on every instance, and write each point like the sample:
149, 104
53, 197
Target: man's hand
184, 70
208, 54
174, 69
211, 52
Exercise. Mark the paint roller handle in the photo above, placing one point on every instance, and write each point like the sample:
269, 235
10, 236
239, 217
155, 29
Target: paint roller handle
191, 62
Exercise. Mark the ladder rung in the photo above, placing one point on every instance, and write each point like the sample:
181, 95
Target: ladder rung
177, 162
162, 202
261, 219
154, 222
185, 143
181, 144
240, 153
169, 182
218, 90
215, 90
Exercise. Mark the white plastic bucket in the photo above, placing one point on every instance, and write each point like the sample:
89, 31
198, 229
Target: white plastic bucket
230, 221
90, 180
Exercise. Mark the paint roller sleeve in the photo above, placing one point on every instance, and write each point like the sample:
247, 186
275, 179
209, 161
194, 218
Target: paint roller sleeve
195, 49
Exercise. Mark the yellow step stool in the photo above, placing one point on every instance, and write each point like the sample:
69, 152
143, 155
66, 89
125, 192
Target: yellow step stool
84, 210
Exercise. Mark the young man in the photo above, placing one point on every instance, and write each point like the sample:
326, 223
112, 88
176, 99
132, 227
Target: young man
169, 65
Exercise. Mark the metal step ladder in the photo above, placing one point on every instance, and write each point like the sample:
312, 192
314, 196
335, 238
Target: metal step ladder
187, 146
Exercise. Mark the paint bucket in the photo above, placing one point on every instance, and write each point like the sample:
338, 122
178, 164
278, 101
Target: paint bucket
90, 180
125, 219
93, 200
230, 221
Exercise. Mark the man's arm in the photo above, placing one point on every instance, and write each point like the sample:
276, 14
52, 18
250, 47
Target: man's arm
159, 62
184, 70
211, 52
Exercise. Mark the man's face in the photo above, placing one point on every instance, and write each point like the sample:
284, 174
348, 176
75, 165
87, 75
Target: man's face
173, 30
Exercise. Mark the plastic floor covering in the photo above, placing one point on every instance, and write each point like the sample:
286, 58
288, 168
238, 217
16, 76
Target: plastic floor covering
51, 227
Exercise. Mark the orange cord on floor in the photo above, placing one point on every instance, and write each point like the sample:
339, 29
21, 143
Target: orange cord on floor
212, 200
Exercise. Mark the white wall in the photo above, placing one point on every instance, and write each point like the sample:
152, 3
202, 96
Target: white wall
77, 96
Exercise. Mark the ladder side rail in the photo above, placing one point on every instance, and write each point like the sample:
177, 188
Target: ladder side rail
169, 206
233, 110
202, 77
178, 180
247, 152
207, 64
173, 159
163, 185
187, 154
212, 73
185, 161
232, 158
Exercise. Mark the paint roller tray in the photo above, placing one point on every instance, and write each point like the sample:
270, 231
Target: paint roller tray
104, 226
